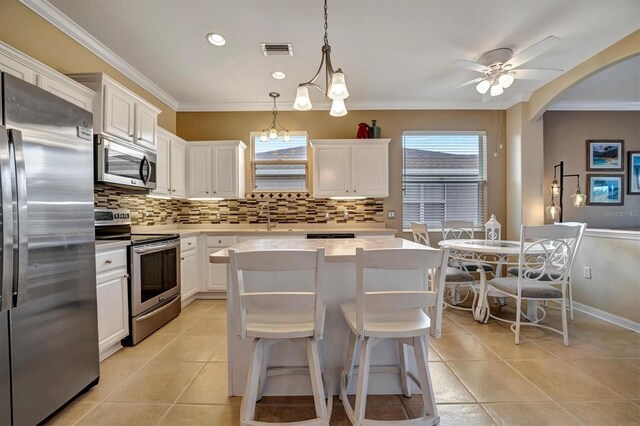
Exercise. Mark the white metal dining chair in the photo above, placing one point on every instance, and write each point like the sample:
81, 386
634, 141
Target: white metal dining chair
398, 314
454, 278
544, 262
582, 226
273, 317
462, 230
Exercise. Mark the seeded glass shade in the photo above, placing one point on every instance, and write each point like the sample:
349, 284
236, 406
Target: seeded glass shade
578, 198
552, 211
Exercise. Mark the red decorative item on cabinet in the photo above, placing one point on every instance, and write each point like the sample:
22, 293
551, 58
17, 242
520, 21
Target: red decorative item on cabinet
363, 131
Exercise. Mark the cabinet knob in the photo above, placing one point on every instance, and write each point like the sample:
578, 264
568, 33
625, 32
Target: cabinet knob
207, 192
188, 244
125, 276
219, 241
347, 190
182, 258
108, 261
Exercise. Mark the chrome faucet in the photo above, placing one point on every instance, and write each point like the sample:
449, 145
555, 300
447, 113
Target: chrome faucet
262, 206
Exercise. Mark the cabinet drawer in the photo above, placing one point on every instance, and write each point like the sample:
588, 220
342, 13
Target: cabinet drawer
188, 243
220, 240
112, 259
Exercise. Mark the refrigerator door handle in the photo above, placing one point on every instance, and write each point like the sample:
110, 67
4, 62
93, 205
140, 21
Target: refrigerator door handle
6, 285
15, 137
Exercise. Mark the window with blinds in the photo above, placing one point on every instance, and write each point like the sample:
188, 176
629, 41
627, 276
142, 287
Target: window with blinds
278, 165
443, 177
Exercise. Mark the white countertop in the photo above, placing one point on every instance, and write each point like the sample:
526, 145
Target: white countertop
336, 250
111, 244
260, 229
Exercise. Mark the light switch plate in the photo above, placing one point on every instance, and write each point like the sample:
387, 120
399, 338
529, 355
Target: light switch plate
587, 272
391, 214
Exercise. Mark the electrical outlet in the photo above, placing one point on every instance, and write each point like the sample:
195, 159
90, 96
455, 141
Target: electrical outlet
391, 214
586, 271
345, 215
327, 216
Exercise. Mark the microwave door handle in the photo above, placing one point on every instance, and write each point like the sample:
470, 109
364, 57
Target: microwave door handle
143, 176
15, 137
6, 285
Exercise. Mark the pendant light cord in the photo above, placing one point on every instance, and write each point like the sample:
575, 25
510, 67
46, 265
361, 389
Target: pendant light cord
326, 26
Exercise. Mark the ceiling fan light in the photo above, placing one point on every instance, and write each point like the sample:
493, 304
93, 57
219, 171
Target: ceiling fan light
483, 86
338, 108
338, 86
496, 89
506, 79
302, 102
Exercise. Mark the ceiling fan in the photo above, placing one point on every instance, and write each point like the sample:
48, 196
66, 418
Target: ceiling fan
500, 67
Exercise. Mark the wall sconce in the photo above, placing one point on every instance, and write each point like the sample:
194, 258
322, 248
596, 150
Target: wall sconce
554, 211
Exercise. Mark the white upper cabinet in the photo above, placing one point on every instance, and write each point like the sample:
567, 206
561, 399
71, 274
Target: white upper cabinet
147, 121
216, 169
19, 65
119, 112
178, 161
170, 165
350, 167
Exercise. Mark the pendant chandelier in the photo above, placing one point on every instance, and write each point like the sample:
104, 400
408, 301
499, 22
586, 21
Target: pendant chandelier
272, 131
336, 87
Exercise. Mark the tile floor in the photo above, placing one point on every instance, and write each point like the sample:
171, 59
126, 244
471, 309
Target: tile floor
178, 377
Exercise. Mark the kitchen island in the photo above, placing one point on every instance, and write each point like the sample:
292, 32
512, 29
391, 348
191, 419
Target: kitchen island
339, 287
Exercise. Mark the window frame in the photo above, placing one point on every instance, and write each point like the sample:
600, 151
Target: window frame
480, 179
253, 162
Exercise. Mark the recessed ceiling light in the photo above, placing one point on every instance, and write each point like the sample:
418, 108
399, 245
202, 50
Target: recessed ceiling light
278, 75
216, 39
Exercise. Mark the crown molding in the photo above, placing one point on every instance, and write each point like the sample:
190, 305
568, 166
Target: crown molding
58, 19
353, 106
594, 106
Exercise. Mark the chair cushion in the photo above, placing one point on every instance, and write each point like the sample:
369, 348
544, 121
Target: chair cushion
455, 275
404, 323
473, 266
530, 289
514, 270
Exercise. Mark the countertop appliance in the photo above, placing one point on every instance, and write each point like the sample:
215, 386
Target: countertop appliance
320, 236
48, 313
154, 271
122, 163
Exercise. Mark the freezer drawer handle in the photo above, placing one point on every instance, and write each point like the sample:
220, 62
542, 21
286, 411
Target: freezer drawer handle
15, 137
6, 285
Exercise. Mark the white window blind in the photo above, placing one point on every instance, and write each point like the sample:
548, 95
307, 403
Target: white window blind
278, 165
443, 177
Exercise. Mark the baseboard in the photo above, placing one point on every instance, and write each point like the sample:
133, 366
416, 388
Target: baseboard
211, 295
186, 302
608, 317
110, 351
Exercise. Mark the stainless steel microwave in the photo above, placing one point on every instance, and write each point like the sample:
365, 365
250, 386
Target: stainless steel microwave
124, 164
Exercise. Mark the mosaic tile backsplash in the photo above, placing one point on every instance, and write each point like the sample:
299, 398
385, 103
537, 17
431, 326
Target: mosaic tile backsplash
293, 207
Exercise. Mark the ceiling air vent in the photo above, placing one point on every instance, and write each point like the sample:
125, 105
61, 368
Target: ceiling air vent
277, 49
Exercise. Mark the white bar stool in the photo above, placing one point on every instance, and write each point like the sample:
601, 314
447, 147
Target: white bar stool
273, 317
394, 314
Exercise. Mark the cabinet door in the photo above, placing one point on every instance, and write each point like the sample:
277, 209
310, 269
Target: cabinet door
178, 187
113, 309
188, 273
17, 69
146, 123
331, 172
163, 161
224, 174
199, 171
66, 92
369, 171
119, 113
217, 277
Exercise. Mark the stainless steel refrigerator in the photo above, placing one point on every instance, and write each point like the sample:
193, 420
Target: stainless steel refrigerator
48, 319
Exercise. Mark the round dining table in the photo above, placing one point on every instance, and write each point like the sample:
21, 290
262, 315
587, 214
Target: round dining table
482, 252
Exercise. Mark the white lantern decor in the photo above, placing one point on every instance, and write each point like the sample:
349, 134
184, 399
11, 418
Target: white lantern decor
492, 231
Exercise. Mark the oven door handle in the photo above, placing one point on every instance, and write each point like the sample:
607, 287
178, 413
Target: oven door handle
156, 312
155, 248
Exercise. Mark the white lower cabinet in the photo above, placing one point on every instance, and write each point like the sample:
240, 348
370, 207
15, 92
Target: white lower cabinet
217, 272
112, 283
188, 267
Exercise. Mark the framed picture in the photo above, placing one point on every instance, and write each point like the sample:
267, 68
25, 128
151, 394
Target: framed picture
605, 155
605, 190
633, 173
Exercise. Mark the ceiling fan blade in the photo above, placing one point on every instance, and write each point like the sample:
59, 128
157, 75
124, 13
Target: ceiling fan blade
536, 73
473, 66
466, 83
532, 51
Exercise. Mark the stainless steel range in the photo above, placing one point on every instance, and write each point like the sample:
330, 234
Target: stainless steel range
154, 270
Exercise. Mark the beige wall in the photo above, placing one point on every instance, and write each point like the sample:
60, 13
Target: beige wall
320, 125
26, 31
565, 135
